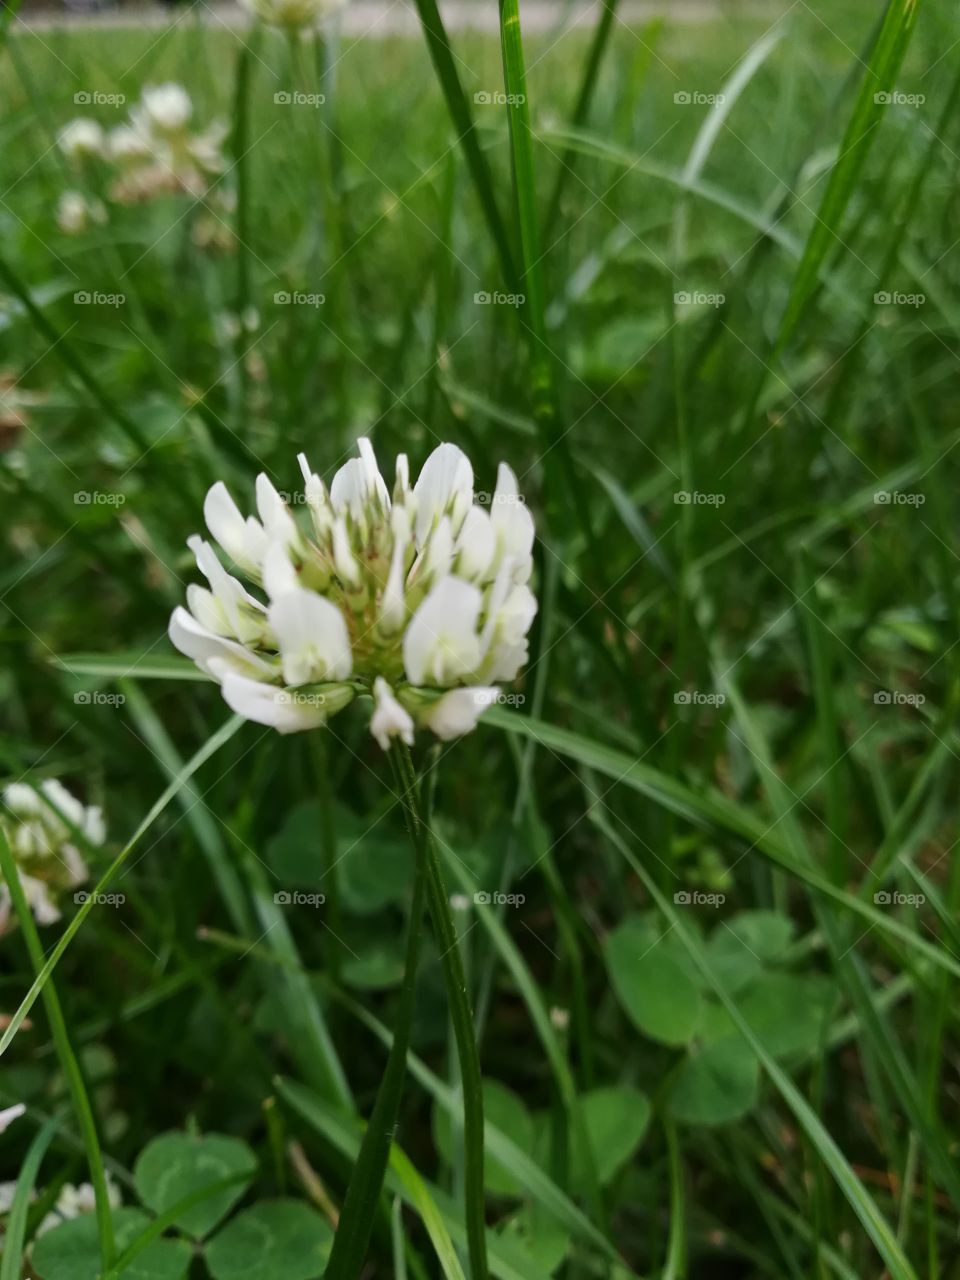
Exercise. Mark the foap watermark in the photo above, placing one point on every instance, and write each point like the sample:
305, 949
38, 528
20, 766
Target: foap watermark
498, 698
497, 98
898, 698
98, 498
484, 498
483, 298
97, 698
95, 298
695, 98
81, 897
894, 898
497, 899
297, 898
695, 898
897, 99
693, 498
294, 98
697, 298
94, 98
895, 298
298, 299
898, 498
301, 698
698, 698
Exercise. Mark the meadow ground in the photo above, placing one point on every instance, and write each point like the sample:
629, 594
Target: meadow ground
701, 856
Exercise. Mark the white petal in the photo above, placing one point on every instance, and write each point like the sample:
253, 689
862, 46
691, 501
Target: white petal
9, 1114
273, 511
38, 896
476, 544
389, 719
243, 540
343, 558
440, 644
512, 520
458, 711
446, 475
279, 574
312, 636
196, 642
267, 704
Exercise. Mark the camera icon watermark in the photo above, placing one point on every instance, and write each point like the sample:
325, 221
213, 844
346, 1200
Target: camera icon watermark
694, 98
81, 897
697, 298
697, 698
894, 898
294, 98
897, 698
897, 99
497, 98
296, 898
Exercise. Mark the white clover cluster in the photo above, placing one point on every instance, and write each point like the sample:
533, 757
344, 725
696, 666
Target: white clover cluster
419, 597
156, 152
40, 826
292, 15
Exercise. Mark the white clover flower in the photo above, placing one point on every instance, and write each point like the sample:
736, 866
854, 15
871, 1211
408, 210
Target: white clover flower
419, 598
80, 138
40, 826
128, 145
76, 1200
75, 213
292, 15
163, 108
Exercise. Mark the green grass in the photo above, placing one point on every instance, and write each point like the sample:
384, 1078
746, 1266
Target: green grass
717, 1035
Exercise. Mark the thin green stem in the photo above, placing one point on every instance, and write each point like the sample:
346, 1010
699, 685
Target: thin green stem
363, 1194
460, 1013
68, 1061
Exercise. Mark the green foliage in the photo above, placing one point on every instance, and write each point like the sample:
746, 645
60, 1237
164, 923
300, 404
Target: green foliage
716, 1012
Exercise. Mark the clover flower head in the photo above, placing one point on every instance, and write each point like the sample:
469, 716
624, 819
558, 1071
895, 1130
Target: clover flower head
292, 15
81, 138
163, 108
76, 213
40, 826
418, 596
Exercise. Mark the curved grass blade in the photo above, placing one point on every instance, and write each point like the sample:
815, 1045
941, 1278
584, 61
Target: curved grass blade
709, 811
69, 1065
441, 55
878, 80
338, 1130
210, 748
11, 1263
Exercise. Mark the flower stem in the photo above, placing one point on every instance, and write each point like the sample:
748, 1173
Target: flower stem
363, 1194
460, 1013
68, 1060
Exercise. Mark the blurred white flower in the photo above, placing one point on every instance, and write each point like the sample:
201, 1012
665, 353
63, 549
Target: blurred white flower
76, 1200
40, 826
292, 15
155, 152
163, 108
75, 212
419, 598
80, 138
9, 1114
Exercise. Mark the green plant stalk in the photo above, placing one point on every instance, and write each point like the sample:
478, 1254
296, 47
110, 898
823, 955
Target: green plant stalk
240, 145
363, 1194
460, 1013
68, 1062
438, 46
